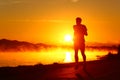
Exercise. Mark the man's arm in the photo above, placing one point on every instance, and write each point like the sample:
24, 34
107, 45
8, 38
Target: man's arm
85, 30
86, 33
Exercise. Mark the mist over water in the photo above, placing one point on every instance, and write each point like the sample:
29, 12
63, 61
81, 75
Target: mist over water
46, 56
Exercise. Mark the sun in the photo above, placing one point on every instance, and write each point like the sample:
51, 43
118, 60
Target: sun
68, 38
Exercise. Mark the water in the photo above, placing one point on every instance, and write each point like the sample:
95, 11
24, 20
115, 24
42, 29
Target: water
45, 56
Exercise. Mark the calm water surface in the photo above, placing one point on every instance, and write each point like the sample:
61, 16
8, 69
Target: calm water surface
45, 56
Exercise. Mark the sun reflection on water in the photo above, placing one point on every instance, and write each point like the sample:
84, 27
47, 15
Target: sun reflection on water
68, 57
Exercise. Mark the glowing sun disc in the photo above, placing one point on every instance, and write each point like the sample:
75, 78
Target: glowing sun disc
68, 38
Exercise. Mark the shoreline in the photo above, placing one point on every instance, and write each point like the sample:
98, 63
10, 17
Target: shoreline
98, 69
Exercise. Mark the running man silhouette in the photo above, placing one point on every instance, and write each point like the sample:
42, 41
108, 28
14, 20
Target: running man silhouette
80, 31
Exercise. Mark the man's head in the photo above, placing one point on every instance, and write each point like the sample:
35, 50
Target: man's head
78, 20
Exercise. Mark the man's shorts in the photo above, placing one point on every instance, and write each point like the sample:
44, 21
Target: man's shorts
79, 45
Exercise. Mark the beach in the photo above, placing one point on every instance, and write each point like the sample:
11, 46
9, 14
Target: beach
95, 70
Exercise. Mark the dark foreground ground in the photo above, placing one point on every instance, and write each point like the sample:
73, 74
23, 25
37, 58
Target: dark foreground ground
96, 70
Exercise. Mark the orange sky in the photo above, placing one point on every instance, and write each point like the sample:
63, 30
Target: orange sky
50, 20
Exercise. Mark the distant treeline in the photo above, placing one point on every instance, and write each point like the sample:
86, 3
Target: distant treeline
103, 47
14, 45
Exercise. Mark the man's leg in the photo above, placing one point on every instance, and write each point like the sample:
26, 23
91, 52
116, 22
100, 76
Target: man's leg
76, 55
84, 58
76, 58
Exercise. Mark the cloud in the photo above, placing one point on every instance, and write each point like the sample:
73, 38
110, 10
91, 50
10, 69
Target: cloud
44, 20
16, 2
75, 0
9, 2
53, 21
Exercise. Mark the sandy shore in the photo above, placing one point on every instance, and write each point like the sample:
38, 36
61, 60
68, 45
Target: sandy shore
96, 70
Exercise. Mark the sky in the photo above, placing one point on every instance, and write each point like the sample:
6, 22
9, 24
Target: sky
48, 21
